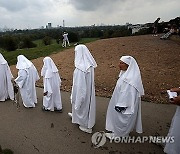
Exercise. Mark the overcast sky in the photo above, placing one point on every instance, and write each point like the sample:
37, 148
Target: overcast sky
23, 14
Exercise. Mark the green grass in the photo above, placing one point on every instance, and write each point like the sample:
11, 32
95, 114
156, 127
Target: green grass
40, 43
32, 53
40, 51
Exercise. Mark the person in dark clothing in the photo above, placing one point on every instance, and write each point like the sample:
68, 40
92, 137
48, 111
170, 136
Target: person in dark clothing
155, 27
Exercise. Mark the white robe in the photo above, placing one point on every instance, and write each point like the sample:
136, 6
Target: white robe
174, 148
65, 38
6, 90
53, 98
26, 81
83, 98
121, 124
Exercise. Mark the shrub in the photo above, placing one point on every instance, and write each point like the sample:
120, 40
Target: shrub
47, 40
26, 42
58, 41
8, 43
73, 37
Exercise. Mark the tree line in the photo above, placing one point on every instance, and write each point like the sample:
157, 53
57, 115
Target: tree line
18, 39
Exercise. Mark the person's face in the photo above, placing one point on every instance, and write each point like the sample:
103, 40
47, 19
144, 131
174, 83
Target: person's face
123, 66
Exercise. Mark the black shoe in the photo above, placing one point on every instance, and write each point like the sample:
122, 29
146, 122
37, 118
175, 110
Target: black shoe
44, 109
56, 110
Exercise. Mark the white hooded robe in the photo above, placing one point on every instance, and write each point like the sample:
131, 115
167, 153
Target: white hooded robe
83, 89
127, 93
27, 77
6, 90
174, 148
52, 83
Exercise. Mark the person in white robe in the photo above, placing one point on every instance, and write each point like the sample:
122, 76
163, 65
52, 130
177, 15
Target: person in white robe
124, 110
52, 82
6, 90
65, 39
83, 90
174, 147
27, 77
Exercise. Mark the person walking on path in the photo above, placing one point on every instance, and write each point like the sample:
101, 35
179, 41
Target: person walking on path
6, 90
52, 82
83, 90
27, 77
124, 110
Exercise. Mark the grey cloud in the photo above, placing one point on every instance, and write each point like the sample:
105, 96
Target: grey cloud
35, 13
13, 5
18, 5
91, 5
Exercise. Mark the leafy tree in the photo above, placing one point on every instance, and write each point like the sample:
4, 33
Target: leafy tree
8, 43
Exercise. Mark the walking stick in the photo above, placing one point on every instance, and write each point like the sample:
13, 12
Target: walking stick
16, 95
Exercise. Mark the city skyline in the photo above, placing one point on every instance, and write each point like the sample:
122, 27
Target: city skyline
32, 14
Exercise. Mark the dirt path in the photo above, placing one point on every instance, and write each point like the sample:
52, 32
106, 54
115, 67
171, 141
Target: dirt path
32, 131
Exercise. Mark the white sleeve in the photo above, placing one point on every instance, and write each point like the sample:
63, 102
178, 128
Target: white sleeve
127, 99
47, 87
9, 72
20, 80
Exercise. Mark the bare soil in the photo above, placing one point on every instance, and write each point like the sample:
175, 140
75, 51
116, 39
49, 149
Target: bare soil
159, 62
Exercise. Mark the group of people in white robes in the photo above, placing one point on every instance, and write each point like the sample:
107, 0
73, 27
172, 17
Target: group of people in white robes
124, 110
26, 80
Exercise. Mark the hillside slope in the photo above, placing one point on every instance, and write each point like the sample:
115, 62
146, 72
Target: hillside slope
159, 62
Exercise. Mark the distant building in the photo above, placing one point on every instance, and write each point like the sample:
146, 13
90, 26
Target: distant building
49, 26
136, 28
